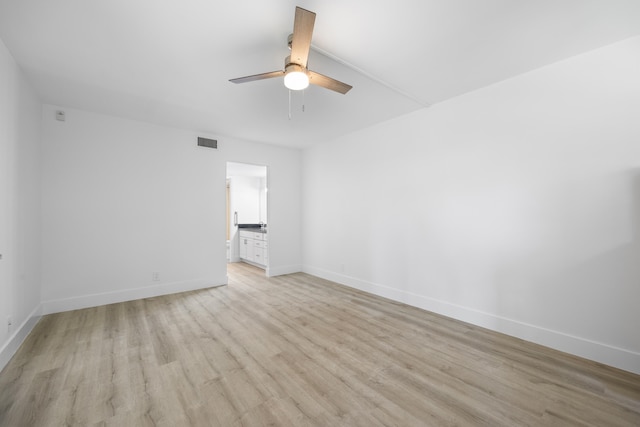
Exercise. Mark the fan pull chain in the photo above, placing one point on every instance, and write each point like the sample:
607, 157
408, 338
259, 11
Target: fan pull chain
289, 104
303, 92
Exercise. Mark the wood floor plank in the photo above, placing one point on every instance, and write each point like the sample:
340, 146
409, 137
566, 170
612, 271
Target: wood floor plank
301, 351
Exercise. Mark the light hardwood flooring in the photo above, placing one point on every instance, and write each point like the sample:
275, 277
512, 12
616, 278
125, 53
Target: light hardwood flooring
296, 350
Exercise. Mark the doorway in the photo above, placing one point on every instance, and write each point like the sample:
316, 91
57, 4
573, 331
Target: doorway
247, 213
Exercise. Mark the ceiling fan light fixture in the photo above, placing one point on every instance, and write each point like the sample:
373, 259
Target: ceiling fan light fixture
295, 77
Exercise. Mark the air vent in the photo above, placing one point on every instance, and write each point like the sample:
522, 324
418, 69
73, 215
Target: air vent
209, 143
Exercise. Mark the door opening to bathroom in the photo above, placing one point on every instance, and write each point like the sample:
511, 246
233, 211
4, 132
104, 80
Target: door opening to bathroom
247, 202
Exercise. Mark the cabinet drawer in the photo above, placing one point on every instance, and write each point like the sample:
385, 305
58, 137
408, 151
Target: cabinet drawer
251, 235
258, 243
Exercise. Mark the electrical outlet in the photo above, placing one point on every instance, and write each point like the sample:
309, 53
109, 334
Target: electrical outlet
155, 276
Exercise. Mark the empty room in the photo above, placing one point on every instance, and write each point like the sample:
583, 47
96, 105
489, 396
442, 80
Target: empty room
312, 213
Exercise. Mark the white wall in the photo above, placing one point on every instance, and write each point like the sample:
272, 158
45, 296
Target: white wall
124, 199
245, 198
515, 207
19, 206
264, 199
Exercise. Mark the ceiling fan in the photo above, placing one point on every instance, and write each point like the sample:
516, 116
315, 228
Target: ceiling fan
296, 74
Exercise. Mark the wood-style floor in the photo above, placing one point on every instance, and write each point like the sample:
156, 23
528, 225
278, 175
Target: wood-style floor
296, 350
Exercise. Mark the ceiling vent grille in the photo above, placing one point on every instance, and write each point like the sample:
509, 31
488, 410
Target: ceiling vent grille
209, 143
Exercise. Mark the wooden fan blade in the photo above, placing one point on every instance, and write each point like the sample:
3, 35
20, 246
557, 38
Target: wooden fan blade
262, 76
302, 31
328, 83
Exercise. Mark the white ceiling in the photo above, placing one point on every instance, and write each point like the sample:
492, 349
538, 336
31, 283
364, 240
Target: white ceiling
169, 62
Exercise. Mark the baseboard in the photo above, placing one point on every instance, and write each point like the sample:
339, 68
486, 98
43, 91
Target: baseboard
282, 270
15, 341
94, 300
592, 350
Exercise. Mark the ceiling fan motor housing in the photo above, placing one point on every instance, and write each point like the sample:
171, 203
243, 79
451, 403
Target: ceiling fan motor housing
292, 66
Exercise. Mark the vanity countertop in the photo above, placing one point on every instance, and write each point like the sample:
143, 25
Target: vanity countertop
251, 228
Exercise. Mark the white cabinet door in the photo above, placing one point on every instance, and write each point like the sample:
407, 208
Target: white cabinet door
265, 252
259, 252
244, 244
251, 252
257, 256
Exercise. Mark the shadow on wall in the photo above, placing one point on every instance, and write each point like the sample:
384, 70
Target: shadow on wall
596, 296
